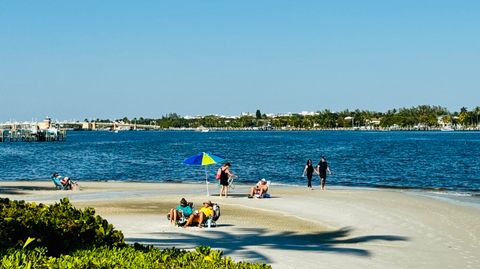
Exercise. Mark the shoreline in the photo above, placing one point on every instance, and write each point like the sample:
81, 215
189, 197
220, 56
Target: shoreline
296, 228
467, 198
473, 192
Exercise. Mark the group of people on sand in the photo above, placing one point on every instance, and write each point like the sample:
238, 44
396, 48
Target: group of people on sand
185, 211
223, 175
321, 170
192, 217
261, 188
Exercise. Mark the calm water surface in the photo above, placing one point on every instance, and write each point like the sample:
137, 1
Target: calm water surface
420, 160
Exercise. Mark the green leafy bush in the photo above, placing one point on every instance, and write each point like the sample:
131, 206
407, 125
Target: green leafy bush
60, 236
60, 227
125, 257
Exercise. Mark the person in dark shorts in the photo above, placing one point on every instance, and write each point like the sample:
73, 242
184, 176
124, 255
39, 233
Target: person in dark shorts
322, 170
224, 175
309, 172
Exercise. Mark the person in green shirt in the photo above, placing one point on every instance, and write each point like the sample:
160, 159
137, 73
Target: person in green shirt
183, 210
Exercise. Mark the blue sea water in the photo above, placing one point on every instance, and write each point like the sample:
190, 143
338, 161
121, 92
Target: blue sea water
419, 160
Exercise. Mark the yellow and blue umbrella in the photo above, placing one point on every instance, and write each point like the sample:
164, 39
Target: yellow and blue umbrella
204, 159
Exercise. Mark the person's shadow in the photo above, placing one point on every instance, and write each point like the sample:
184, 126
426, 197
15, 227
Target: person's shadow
18, 190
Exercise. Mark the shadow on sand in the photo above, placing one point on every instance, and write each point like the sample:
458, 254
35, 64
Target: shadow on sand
245, 242
12, 190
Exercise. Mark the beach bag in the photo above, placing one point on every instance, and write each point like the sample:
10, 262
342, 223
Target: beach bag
216, 212
219, 174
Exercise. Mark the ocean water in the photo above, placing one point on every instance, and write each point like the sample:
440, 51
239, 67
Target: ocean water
440, 161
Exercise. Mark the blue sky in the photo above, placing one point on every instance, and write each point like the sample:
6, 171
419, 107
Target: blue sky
109, 59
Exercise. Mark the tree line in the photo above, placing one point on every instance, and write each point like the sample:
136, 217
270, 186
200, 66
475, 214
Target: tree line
420, 116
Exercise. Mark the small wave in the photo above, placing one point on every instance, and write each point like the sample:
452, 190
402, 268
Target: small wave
456, 193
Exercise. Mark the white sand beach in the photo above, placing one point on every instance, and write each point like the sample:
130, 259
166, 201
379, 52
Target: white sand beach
296, 228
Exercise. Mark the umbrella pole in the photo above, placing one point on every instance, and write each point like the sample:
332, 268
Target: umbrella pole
206, 181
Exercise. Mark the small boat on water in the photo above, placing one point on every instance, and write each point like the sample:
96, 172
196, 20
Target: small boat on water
202, 129
447, 129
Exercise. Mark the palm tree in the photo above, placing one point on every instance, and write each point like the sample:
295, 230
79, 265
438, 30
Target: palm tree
477, 114
258, 114
463, 117
446, 119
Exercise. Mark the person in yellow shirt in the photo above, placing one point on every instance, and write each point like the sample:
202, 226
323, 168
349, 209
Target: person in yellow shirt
203, 213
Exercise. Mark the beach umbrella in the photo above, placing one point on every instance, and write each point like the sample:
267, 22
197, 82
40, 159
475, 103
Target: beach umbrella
204, 159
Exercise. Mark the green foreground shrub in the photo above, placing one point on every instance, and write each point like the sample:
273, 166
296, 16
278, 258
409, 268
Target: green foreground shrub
59, 228
60, 236
124, 257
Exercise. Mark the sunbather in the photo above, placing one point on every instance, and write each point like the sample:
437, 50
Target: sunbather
66, 182
259, 190
199, 217
183, 210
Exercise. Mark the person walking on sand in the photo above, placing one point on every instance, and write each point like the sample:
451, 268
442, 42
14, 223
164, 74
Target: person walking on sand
322, 169
224, 175
308, 170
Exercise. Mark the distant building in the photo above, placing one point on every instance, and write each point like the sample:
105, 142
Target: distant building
45, 124
444, 121
308, 113
373, 121
192, 117
288, 114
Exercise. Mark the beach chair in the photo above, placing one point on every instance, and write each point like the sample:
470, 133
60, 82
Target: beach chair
212, 220
231, 182
58, 184
182, 219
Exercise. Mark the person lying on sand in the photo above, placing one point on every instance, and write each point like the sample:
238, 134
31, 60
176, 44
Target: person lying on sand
199, 217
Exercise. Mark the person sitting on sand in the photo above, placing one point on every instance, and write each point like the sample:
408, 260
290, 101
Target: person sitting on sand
184, 209
66, 182
259, 190
203, 213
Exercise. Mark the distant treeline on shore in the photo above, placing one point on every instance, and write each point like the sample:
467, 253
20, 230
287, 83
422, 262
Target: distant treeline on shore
420, 117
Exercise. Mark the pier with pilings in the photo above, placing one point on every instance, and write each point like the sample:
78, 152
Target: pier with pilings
32, 132
22, 135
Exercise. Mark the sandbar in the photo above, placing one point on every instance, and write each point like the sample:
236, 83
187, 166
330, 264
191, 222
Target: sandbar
295, 228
